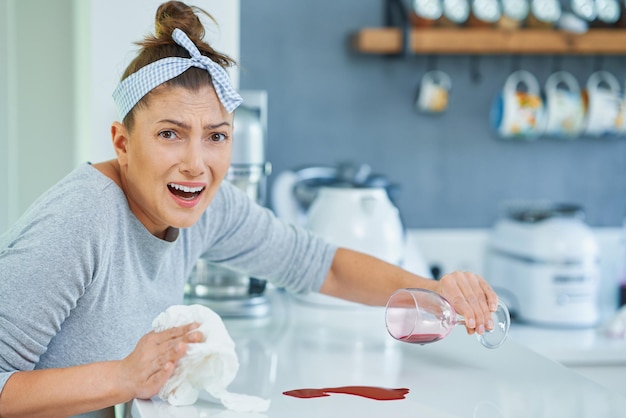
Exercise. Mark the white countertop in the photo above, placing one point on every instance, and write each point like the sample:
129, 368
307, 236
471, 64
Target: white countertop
305, 346
572, 347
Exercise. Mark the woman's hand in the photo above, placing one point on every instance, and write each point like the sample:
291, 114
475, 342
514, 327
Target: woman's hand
472, 297
152, 362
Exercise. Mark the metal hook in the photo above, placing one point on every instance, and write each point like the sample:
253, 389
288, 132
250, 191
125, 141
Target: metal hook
516, 63
557, 63
431, 62
475, 75
598, 62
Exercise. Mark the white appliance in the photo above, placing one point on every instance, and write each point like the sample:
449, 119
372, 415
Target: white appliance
363, 219
350, 207
544, 264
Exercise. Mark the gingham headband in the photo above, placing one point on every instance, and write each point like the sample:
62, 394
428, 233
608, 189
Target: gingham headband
135, 86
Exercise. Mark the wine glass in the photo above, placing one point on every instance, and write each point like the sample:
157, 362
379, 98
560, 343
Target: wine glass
420, 316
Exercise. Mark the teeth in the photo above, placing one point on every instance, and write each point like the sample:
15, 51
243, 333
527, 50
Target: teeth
186, 189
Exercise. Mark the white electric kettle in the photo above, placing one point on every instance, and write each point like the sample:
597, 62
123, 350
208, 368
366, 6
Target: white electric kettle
362, 219
346, 205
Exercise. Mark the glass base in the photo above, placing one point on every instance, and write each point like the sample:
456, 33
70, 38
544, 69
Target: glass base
501, 324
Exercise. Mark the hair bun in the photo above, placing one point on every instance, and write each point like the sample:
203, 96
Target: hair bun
176, 14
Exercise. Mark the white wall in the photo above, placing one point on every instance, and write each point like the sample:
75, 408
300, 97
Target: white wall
36, 105
104, 47
5, 198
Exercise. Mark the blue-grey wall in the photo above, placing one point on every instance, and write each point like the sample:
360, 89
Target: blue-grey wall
328, 103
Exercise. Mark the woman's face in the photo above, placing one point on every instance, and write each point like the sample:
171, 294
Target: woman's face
173, 161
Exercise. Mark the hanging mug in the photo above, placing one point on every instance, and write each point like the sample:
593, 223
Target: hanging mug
518, 110
484, 13
434, 91
609, 12
565, 113
455, 12
514, 13
544, 14
603, 104
425, 13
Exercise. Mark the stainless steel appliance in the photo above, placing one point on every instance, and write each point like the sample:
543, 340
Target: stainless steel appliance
543, 261
227, 292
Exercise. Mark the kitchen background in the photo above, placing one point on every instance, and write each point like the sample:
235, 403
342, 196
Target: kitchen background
328, 103
60, 60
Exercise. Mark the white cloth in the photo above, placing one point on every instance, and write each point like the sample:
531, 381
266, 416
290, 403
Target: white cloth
210, 365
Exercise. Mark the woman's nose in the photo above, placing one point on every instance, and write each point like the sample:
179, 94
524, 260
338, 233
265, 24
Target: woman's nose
193, 159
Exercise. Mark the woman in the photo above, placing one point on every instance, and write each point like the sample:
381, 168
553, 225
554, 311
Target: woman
97, 257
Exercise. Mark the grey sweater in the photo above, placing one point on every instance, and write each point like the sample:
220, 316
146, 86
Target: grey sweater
81, 279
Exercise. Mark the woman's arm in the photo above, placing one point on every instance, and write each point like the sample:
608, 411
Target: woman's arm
361, 278
85, 388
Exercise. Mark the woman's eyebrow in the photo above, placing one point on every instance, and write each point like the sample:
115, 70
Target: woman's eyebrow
175, 122
183, 125
216, 125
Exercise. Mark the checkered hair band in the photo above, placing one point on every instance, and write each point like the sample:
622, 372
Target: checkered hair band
137, 85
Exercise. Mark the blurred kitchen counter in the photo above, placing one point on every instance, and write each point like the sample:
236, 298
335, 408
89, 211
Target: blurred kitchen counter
572, 347
588, 351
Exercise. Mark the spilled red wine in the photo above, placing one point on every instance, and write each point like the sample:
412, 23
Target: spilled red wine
371, 392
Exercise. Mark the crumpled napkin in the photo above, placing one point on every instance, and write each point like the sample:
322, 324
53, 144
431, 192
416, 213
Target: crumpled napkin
616, 327
210, 365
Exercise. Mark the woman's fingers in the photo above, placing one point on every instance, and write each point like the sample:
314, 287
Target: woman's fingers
473, 319
472, 297
475, 289
173, 344
155, 357
178, 332
492, 297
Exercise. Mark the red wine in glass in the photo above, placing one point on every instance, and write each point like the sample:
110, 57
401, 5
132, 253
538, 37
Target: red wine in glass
420, 316
421, 338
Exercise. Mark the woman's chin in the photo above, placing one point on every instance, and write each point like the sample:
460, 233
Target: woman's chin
186, 222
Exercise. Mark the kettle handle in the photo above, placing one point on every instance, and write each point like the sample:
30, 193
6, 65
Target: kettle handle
284, 203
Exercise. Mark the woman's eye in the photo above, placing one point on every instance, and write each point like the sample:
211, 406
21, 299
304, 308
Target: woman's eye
217, 137
168, 135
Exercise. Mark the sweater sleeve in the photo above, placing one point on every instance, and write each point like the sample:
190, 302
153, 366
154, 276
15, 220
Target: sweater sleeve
251, 239
46, 263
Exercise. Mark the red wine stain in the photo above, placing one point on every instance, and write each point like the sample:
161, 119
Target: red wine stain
371, 392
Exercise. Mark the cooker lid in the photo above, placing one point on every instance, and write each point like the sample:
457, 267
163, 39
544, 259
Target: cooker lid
535, 213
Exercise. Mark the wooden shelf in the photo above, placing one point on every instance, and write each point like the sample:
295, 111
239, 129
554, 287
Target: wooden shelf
491, 41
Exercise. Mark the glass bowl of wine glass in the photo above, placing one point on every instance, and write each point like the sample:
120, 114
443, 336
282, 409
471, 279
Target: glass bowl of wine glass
420, 316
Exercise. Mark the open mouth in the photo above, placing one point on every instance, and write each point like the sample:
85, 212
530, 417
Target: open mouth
185, 192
